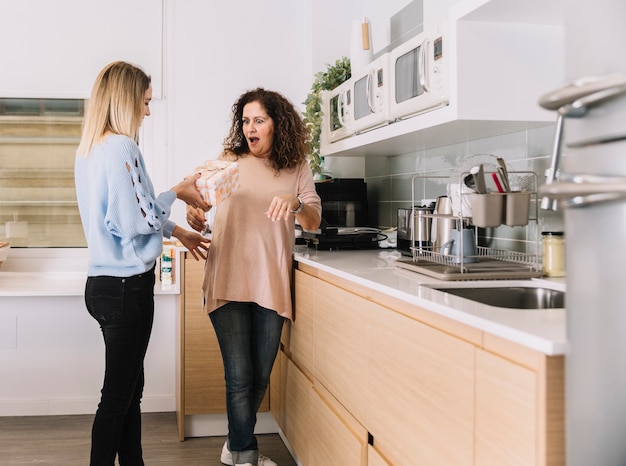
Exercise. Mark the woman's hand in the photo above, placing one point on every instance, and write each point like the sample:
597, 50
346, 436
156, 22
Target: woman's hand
186, 191
196, 218
197, 244
281, 207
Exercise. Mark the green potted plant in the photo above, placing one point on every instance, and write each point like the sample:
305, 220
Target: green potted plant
327, 80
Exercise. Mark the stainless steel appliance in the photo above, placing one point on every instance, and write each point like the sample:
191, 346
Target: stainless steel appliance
414, 226
591, 188
444, 223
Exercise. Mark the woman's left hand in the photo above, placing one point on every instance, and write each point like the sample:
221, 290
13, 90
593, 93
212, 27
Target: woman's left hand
281, 207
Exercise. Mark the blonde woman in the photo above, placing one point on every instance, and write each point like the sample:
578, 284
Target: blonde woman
124, 223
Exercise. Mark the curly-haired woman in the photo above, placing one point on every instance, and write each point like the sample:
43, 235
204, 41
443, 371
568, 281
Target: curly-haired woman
247, 278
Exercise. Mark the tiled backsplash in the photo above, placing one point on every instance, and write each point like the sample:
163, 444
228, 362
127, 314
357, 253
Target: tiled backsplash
389, 180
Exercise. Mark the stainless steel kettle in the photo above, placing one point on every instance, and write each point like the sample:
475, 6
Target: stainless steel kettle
443, 222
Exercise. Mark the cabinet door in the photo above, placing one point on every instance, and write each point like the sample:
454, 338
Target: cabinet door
300, 344
374, 458
205, 392
335, 436
340, 349
421, 384
506, 412
295, 416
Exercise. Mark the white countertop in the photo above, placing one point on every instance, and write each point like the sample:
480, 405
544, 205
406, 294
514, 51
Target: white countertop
541, 330
56, 272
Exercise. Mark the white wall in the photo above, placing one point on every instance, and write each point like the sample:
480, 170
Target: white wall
332, 25
55, 49
215, 51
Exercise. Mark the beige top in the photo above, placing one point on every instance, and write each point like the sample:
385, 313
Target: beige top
250, 258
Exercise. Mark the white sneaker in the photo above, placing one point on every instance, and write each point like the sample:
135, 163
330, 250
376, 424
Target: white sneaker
265, 461
227, 458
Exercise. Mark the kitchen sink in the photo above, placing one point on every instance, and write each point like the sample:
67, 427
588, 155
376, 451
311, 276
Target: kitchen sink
513, 297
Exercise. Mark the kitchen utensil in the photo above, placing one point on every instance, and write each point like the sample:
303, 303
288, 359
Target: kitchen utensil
497, 182
478, 172
443, 222
504, 174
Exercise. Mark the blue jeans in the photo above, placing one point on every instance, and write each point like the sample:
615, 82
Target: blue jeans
248, 335
124, 308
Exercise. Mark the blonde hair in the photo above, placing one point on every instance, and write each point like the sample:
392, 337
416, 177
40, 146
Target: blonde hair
116, 104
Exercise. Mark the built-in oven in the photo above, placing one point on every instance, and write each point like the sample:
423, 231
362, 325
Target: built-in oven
371, 94
419, 74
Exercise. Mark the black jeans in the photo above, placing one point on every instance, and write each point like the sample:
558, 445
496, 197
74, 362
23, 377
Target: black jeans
124, 308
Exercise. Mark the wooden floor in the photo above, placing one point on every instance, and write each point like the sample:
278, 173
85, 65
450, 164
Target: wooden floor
65, 441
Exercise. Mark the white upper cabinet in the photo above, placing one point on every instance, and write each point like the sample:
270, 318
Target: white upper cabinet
503, 54
55, 49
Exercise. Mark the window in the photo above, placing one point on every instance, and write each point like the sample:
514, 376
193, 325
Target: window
38, 141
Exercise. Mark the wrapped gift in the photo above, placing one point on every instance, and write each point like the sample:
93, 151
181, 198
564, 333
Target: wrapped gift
218, 180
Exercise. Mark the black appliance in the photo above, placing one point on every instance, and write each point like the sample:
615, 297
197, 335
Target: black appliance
344, 217
344, 202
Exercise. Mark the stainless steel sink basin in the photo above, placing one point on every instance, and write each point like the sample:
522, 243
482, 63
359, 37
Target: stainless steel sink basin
514, 297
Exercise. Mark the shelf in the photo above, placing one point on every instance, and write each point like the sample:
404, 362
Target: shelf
414, 134
503, 55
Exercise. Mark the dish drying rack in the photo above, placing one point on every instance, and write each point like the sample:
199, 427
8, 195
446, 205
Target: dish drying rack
487, 263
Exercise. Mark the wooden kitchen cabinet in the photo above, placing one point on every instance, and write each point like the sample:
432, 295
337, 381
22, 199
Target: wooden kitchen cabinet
340, 345
374, 458
336, 437
421, 398
295, 413
393, 384
320, 430
519, 407
200, 385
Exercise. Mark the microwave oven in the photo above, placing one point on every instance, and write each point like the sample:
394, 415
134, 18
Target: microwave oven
336, 106
419, 74
370, 95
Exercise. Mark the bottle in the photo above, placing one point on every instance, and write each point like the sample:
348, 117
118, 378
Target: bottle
166, 267
553, 253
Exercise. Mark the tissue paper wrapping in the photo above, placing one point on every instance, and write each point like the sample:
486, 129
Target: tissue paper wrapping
218, 180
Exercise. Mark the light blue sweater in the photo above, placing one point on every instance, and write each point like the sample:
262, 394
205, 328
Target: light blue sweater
123, 221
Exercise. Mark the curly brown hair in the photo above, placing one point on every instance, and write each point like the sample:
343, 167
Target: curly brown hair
291, 134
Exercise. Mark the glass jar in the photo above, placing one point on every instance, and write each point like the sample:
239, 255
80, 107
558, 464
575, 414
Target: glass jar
553, 253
